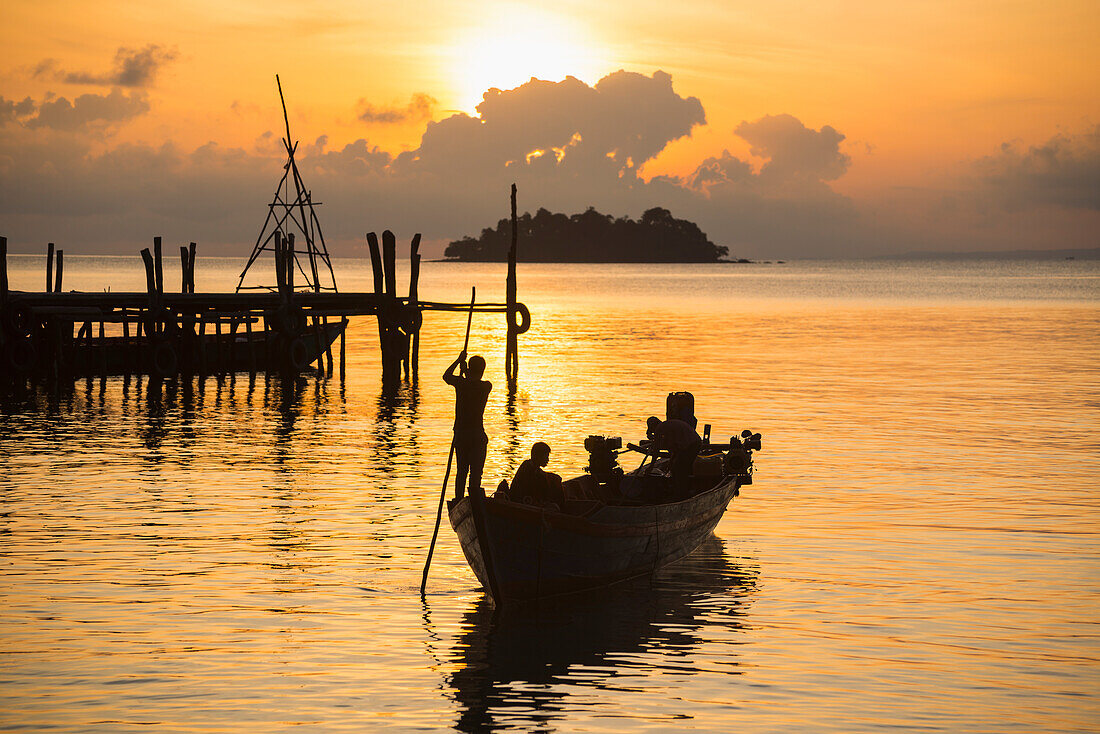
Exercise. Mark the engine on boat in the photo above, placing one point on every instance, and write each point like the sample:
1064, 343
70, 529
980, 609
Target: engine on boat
603, 457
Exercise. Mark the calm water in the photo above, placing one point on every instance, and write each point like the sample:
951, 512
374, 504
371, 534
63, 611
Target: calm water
919, 552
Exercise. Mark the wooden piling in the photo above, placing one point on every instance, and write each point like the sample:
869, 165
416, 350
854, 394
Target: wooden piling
102, 350
191, 267
202, 345
59, 272
219, 351
149, 323
414, 306
49, 267
511, 352
3, 290
289, 261
3, 271
251, 347
184, 255
389, 262
377, 270
158, 267
280, 269
343, 355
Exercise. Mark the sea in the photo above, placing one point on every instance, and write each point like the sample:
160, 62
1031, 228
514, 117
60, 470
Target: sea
919, 551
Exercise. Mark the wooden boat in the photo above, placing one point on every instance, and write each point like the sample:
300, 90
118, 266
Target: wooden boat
188, 353
522, 551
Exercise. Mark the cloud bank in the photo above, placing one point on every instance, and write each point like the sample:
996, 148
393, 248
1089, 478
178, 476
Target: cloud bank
567, 145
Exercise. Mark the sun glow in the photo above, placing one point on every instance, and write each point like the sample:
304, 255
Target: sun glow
520, 44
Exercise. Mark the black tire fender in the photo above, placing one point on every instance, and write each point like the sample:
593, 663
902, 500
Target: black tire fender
297, 354
524, 315
22, 355
165, 362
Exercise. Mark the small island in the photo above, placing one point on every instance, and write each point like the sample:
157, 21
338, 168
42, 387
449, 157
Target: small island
592, 237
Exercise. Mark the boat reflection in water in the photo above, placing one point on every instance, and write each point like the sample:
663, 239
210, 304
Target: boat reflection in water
516, 667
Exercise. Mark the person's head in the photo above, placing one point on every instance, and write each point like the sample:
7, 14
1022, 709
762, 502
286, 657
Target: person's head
540, 452
475, 368
651, 426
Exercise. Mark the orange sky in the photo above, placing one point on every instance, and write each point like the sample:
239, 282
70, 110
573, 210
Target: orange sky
919, 90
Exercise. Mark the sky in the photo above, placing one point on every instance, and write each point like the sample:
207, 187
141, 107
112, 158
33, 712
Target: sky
784, 129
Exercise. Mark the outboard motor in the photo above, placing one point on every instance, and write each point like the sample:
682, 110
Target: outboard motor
603, 457
739, 459
681, 405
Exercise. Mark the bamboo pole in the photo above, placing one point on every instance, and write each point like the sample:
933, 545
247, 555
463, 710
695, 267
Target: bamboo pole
450, 459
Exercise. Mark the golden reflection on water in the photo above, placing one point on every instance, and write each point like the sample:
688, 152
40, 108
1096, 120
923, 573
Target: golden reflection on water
918, 548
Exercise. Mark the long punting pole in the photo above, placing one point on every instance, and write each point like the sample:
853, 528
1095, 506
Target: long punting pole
450, 459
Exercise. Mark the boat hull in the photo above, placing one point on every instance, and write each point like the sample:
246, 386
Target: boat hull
191, 354
536, 553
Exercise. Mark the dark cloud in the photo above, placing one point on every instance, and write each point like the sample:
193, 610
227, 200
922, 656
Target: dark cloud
419, 108
132, 67
89, 111
793, 150
561, 129
11, 111
1062, 172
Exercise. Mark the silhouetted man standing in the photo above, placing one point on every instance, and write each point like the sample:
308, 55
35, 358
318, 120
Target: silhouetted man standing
471, 394
683, 443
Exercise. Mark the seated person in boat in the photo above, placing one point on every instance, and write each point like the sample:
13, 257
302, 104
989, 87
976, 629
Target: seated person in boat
470, 442
533, 482
682, 442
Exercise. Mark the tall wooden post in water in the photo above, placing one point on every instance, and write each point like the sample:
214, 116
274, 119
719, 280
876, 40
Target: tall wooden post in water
511, 351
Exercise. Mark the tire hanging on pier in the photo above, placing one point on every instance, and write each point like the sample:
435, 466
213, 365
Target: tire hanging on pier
165, 362
22, 356
524, 323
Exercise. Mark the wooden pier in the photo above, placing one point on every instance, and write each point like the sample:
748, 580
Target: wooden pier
56, 335
285, 327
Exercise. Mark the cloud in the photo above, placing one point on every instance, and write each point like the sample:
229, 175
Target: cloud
11, 111
89, 111
132, 67
566, 144
793, 150
419, 108
1062, 172
561, 129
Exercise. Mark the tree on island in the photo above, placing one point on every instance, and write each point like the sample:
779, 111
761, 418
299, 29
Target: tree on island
592, 237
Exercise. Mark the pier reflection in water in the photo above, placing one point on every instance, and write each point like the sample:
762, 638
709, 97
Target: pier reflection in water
515, 667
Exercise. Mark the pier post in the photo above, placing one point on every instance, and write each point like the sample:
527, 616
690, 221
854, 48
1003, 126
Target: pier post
3, 292
376, 268
158, 267
148, 322
343, 341
60, 270
3, 272
191, 268
414, 305
511, 351
391, 355
49, 267
184, 254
